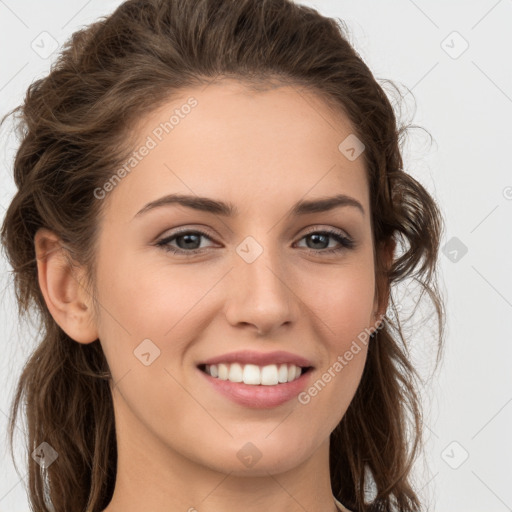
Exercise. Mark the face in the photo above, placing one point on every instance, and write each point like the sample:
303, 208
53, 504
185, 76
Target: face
191, 295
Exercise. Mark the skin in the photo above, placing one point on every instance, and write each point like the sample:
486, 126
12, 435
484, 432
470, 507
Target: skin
178, 438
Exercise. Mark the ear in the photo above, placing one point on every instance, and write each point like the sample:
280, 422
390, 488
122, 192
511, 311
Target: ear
66, 298
382, 287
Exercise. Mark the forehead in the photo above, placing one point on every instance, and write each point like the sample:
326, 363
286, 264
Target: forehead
228, 141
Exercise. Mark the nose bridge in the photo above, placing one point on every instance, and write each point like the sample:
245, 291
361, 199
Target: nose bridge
261, 294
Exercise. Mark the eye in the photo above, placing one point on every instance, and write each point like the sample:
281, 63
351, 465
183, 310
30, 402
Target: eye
187, 239
320, 237
189, 242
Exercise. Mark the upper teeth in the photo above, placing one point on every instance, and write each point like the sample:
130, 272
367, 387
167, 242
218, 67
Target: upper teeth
252, 374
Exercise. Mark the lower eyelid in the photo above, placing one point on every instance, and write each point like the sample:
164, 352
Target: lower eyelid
344, 242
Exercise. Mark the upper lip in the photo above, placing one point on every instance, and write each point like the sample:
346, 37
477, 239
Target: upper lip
259, 358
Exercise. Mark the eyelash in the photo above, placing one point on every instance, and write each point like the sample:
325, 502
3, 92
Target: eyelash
346, 243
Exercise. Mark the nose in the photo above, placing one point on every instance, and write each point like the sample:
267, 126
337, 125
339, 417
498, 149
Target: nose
261, 294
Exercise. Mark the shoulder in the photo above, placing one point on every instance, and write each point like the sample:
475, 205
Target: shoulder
340, 506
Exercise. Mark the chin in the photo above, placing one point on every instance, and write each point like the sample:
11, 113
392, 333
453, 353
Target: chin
260, 457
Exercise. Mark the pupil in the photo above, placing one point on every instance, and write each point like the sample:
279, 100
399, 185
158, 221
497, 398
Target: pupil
187, 240
315, 238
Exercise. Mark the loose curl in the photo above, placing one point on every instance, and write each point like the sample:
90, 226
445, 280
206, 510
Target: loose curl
76, 126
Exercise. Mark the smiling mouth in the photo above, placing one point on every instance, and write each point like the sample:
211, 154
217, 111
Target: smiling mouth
254, 375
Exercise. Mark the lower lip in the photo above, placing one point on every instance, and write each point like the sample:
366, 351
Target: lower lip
260, 396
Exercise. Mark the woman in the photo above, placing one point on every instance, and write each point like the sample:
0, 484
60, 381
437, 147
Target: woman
210, 196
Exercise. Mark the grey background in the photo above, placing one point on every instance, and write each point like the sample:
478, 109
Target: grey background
464, 99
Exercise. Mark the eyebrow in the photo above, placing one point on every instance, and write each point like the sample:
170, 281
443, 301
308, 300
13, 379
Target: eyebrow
217, 207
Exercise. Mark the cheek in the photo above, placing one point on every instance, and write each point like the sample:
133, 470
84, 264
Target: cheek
147, 298
344, 300
344, 306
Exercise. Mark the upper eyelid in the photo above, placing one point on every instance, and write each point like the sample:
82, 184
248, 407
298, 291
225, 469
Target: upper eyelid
206, 233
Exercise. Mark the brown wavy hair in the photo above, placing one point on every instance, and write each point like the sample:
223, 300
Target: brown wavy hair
76, 125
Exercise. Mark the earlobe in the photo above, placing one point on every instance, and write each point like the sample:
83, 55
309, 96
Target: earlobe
382, 286
66, 298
